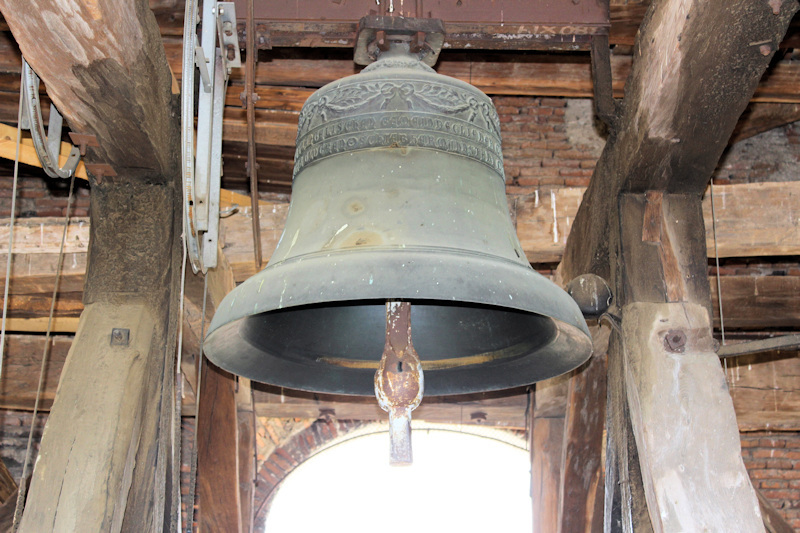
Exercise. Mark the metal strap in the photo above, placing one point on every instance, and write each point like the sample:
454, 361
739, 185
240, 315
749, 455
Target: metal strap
48, 147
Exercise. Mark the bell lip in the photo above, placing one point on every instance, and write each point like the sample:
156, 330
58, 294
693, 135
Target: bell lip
568, 350
359, 273
399, 273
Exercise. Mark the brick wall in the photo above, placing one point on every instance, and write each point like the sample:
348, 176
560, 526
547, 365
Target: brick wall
14, 429
773, 461
40, 197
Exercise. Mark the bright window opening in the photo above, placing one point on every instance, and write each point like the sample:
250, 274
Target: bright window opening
458, 482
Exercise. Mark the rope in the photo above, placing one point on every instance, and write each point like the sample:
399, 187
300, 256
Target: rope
719, 284
193, 465
11, 229
45, 353
177, 398
716, 258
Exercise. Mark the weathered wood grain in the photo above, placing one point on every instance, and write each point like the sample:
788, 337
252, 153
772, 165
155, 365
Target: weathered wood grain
21, 367
766, 390
673, 399
217, 453
581, 484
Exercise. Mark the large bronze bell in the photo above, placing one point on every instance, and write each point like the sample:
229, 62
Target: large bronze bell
398, 194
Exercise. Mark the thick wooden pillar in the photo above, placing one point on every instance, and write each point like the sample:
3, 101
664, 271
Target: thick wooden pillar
106, 459
567, 421
673, 456
225, 435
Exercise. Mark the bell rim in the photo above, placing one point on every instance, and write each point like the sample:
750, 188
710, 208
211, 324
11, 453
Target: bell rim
455, 267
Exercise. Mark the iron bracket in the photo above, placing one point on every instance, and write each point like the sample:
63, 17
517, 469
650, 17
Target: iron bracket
426, 36
48, 146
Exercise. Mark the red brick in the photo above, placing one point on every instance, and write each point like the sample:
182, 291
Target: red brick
576, 172
534, 144
515, 101
553, 102
781, 494
31, 193
560, 163
551, 181
770, 474
528, 172
535, 127
772, 484
507, 110
559, 145
555, 136
31, 183
772, 443
577, 182
589, 163
560, 111
784, 464
49, 212
576, 154
512, 189
761, 452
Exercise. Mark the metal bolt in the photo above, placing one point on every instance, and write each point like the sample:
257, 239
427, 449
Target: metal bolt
675, 341
479, 417
327, 414
120, 336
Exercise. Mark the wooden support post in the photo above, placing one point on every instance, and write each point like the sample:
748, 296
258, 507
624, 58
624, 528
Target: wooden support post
581, 484
674, 461
225, 435
547, 448
217, 453
689, 452
107, 459
246, 416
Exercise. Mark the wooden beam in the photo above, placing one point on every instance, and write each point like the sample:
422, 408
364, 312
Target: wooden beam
581, 485
8, 485
750, 302
105, 69
765, 389
761, 117
83, 92
640, 226
504, 409
27, 153
690, 455
217, 453
547, 450
218, 440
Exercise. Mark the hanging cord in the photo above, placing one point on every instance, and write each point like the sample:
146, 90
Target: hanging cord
11, 229
193, 465
177, 397
45, 354
716, 258
719, 283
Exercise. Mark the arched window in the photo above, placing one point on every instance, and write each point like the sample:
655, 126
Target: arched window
458, 482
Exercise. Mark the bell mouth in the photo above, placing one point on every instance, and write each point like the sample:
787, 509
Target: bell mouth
351, 334
335, 347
